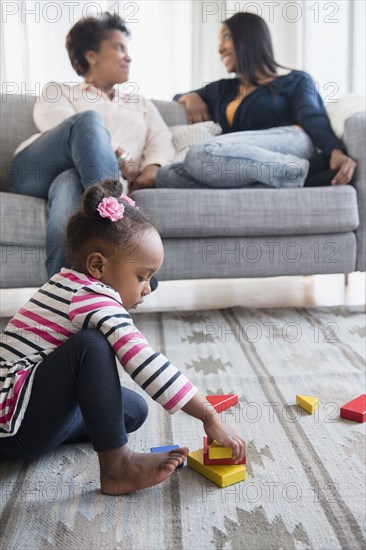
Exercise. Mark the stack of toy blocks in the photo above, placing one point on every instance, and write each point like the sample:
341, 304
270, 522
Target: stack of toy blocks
215, 461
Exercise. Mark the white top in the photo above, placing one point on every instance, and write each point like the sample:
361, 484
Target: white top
134, 122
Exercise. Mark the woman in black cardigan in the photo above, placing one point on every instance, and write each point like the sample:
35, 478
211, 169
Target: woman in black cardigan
276, 132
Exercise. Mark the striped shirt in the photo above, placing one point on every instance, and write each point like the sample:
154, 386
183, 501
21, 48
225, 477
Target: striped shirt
69, 302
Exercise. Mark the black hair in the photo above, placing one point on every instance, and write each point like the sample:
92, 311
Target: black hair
253, 46
88, 231
87, 34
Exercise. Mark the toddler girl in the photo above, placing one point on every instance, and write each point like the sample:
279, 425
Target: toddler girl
58, 376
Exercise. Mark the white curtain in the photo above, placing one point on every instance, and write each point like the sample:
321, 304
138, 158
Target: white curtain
161, 48
33, 43
206, 63
174, 43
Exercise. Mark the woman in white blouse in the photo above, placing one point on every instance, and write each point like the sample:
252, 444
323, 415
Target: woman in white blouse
89, 132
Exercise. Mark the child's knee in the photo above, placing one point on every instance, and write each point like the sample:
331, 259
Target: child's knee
92, 339
135, 410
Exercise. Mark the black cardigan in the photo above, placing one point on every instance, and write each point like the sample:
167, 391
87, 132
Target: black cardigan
287, 100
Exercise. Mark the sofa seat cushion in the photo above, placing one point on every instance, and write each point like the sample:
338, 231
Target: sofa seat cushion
28, 217
250, 212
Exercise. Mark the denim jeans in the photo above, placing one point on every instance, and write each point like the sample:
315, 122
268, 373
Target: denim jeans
272, 158
58, 166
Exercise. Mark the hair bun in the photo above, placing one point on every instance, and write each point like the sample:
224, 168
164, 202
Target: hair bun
96, 193
112, 188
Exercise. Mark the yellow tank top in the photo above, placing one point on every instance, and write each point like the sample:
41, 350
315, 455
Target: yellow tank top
232, 107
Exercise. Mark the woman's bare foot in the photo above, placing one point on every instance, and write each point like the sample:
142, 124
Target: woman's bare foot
124, 471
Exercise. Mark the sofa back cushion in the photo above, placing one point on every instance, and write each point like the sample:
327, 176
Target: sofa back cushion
17, 124
172, 112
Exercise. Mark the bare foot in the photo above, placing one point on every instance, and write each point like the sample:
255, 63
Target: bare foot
124, 471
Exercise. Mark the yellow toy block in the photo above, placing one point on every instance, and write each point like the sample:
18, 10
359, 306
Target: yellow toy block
216, 451
223, 476
308, 403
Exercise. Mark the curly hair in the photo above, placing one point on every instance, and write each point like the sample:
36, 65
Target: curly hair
87, 34
87, 231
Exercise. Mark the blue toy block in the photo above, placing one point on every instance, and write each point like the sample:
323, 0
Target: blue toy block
166, 449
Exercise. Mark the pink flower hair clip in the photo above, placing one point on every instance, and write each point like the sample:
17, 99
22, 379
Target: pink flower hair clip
128, 201
110, 208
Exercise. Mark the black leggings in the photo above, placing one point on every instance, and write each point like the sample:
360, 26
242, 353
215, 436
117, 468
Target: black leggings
319, 173
77, 396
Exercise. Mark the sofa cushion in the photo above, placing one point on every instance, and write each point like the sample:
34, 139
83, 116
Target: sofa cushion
204, 213
28, 217
17, 119
344, 108
186, 135
250, 212
217, 257
172, 112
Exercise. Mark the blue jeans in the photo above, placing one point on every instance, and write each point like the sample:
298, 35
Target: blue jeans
272, 158
59, 166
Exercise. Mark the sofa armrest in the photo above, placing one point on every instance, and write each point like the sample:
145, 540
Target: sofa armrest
355, 141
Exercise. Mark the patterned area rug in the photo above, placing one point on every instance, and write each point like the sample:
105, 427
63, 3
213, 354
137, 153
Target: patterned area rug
306, 473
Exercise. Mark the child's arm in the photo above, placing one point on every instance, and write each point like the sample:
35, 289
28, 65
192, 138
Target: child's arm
223, 433
99, 306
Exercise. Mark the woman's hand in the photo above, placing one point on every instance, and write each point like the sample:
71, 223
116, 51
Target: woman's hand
225, 435
145, 179
128, 167
345, 166
129, 170
197, 110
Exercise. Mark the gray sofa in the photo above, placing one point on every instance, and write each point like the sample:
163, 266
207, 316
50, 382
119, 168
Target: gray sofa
206, 233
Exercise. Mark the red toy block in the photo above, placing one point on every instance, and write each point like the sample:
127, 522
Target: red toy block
218, 461
355, 409
222, 402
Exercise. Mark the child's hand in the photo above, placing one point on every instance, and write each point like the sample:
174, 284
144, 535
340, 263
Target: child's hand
199, 407
225, 435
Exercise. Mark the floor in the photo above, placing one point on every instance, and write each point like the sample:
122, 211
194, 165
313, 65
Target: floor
318, 290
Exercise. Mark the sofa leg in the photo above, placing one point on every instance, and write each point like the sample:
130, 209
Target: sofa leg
346, 279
